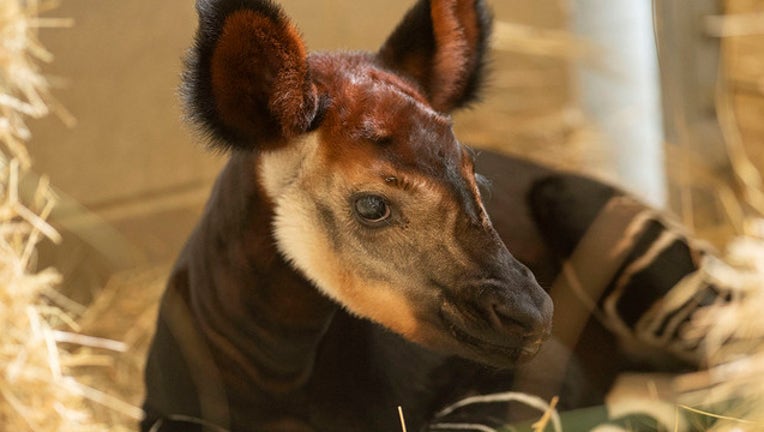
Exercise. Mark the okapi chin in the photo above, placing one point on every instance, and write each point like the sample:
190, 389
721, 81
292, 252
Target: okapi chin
346, 262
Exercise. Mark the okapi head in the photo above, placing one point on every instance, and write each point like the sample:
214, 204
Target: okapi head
373, 198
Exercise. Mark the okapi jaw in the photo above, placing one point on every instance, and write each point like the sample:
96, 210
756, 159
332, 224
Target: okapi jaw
432, 268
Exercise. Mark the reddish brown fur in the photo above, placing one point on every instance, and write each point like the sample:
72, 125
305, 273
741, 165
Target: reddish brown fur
452, 60
444, 62
260, 63
379, 118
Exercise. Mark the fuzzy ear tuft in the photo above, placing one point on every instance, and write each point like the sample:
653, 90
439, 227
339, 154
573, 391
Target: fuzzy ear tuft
441, 44
247, 83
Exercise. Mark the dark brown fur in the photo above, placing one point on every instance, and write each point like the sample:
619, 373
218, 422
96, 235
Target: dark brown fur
247, 79
286, 311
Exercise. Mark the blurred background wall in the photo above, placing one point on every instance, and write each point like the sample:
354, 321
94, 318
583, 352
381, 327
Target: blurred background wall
134, 177
132, 174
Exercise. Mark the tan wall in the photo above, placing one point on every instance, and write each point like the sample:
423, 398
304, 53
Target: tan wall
132, 160
121, 62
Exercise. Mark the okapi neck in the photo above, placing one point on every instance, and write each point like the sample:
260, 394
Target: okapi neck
261, 316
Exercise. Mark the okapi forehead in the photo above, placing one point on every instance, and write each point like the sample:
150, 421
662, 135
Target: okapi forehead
378, 119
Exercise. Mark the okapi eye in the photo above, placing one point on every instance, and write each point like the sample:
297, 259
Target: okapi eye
371, 209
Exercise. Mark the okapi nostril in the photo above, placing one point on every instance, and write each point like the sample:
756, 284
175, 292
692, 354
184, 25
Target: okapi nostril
516, 316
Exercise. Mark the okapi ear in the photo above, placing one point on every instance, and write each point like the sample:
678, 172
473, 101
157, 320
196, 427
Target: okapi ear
247, 83
441, 44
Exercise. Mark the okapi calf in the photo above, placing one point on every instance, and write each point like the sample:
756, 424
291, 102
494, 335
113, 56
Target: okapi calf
346, 262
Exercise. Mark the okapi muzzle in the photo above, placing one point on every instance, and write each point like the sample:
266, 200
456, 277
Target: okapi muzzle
495, 311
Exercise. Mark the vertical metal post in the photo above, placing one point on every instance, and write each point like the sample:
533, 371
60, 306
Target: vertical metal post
622, 95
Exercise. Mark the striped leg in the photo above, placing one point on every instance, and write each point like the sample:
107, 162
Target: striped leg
640, 274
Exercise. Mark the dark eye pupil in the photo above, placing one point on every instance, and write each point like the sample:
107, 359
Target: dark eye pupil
371, 208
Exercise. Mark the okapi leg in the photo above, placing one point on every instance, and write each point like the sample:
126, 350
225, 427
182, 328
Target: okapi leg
651, 295
654, 280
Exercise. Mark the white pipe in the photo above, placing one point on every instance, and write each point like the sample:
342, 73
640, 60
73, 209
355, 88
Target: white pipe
622, 93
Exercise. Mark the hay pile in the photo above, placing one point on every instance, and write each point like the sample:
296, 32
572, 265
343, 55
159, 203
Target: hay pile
732, 389
38, 391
